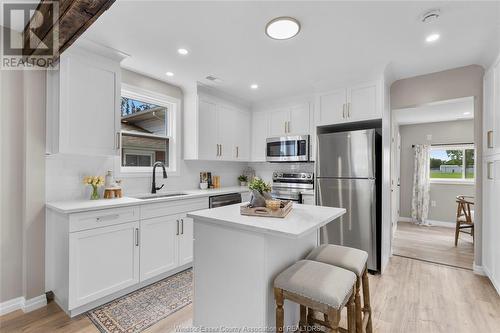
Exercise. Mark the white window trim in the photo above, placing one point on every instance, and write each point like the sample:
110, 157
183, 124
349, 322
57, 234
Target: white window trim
456, 181
173, 132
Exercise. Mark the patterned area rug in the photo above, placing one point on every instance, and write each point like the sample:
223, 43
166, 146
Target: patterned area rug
143, 308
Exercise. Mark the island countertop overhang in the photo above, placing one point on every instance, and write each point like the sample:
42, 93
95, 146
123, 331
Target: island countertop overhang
302, 220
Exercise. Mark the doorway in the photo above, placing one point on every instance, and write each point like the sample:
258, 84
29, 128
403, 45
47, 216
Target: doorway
427, 188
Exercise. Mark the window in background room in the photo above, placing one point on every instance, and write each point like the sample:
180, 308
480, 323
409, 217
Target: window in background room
453, 163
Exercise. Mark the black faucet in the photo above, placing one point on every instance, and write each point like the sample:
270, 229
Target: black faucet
153, 185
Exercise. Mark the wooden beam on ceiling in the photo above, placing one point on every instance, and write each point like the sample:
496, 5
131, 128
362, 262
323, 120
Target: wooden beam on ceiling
63, 24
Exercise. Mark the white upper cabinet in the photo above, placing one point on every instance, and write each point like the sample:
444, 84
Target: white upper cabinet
83, 104
241, 134
260, 130
331, 107
363, 102
208, 146
491, 114
356, 103
222, 131
278, 122
299, 123
292, 120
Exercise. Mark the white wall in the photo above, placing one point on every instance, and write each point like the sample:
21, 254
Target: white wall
443, 194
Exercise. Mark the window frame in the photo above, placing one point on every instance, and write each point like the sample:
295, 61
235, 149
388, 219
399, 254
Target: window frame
173, 131
463, 180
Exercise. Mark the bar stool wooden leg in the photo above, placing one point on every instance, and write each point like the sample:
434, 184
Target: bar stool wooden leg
359, 312
352, 315
333, 320
280, 316
367, 310
303, 317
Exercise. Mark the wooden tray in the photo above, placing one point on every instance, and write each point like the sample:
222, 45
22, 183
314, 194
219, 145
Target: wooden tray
266, 212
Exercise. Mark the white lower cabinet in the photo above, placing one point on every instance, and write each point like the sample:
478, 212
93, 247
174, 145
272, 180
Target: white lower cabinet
93, 257
158, 243
102, 261
186, 234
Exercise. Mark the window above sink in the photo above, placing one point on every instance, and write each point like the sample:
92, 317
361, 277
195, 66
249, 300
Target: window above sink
149, 131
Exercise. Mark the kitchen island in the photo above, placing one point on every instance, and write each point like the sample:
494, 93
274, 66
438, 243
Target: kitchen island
236, 259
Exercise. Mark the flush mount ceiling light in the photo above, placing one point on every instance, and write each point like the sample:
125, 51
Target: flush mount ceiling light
254, 86
169, 74
282, 28
467, 113
182, 51
432, 38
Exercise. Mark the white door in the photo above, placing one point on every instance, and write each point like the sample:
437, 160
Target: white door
259, 136
159, 243
89, 104
489, 111
226, 118
496, 116
299, 120
495, 223
331, 107
102, 261
488, 217
278, 122
363, 102
186, 241
241, 135
207, 129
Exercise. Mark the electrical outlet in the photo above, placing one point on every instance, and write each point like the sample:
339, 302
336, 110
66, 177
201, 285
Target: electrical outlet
429, 137
433, 203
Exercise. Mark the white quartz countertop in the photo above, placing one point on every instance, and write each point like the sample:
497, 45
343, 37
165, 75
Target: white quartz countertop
300, 221
76, 206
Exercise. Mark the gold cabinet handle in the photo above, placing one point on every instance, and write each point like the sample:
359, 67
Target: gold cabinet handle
343, 111
490, 170
489, 138
177, 228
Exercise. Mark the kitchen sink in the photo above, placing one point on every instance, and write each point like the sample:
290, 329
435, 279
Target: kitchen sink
156, 196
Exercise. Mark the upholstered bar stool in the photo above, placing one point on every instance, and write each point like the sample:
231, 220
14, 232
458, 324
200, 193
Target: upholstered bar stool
353, 260
317, 287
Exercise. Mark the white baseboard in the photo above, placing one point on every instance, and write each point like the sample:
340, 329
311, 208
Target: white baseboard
35, 303
432, 222
495, 284
478, 270
20, 303
11, 305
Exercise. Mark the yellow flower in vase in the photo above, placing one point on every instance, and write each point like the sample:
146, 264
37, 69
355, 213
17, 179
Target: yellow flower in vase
95, 182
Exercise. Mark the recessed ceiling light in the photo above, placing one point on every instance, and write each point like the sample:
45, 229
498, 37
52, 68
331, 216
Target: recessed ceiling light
467, 113
283, 28
254, 86
169, 74
432, 38
182, 51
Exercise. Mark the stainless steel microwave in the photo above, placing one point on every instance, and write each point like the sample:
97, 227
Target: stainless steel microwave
288, 149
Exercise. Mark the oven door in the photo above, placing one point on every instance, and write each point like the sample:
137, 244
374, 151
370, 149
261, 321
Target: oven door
288, 149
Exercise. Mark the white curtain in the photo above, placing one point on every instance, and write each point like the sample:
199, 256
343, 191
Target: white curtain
421, 185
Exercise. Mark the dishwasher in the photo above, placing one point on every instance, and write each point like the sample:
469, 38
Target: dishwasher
224, 200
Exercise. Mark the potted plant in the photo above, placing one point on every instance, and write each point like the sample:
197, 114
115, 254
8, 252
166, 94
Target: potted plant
260, 192
243, 180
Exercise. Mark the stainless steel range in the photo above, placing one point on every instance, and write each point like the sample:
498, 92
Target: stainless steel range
289, 185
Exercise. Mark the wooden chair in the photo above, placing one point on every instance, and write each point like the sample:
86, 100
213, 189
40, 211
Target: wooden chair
465, 216
319, 287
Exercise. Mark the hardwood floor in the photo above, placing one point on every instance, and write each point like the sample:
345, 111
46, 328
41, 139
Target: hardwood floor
435, 244
410, 297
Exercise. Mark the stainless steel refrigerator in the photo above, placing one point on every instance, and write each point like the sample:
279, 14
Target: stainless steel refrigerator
347, 176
